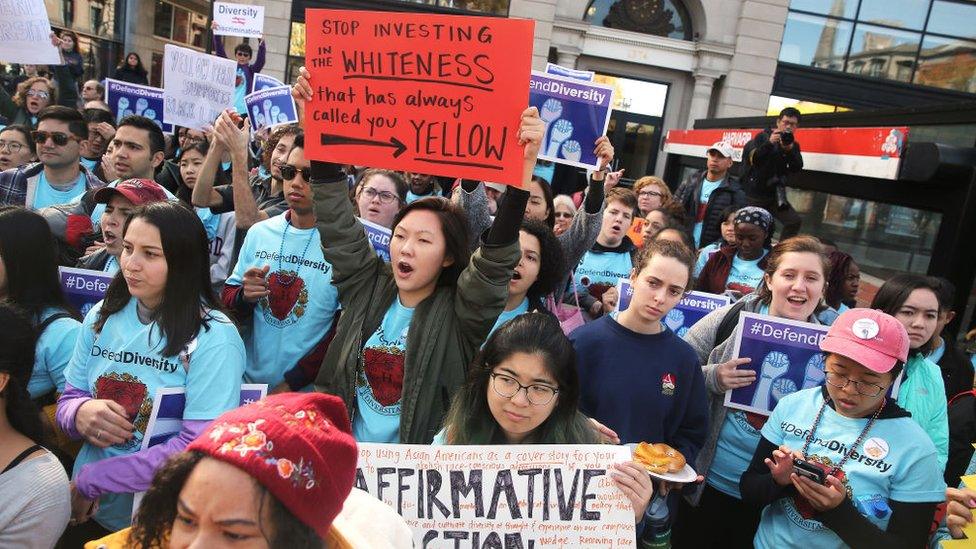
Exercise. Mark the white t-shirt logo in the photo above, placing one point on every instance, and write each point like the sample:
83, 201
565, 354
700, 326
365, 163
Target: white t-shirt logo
876, 448
865, 328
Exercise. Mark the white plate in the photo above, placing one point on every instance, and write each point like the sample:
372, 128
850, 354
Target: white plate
685, 475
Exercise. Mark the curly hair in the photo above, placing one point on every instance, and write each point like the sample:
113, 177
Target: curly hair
154, 520
273, 139
551, 268
840, 264
20, 96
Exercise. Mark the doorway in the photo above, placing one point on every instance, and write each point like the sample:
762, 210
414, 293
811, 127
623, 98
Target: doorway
636, 140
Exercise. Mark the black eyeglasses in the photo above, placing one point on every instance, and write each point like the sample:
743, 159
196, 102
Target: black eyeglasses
862, 387
288, 172
60, 139
649, 193
11, 146
386, 197
507, 387
567, 215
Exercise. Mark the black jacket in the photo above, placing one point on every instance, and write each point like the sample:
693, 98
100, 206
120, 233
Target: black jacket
729, 193
130, 75
957, 370
766, 165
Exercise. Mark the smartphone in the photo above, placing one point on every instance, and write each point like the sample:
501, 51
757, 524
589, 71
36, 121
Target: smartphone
812, 471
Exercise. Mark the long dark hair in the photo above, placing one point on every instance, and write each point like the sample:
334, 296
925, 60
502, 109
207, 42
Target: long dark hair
188, 298
154, 520
893, 294
551, 268
74, 38
30, 255
125, 63
17, 341
469, 420
454, 227
183, 192
547, 193
840, 264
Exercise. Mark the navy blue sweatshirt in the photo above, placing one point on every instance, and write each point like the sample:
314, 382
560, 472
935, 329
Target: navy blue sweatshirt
645, 387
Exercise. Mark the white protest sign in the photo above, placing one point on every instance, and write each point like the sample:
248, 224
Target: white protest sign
25, 33
238, 19
197, 87
502, 496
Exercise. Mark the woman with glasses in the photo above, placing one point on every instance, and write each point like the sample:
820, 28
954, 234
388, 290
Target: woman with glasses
380, 195
564, 212
16, 147
31, 97
843, 465
523, 388
792, 287
914, 301
652, 193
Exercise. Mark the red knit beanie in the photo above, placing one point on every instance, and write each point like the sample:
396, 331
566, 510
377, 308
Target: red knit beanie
299, 446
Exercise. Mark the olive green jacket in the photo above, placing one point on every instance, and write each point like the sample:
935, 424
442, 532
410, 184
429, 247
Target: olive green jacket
446, 330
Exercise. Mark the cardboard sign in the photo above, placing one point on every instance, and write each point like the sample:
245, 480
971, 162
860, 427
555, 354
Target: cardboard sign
238, 20
785, 356
379, 237
271, 107
692, 307
197, 87
125, 99
263, 81
502, 496
25, 33
434, 94
84, 287
585, 76
576, 113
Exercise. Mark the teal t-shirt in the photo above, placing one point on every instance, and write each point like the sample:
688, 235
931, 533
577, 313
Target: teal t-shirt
52, 354
414, 197
737, 442
299, 312
703, 255
89, 163
124, 363
599, 271
708, 187
522, 308
745, 275
240, 90
45, 195
379, 385
895, 462
111, 265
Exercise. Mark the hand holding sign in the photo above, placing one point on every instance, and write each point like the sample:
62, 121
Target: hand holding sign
730, 377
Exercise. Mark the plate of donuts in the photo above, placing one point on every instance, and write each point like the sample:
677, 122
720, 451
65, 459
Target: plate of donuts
663, 462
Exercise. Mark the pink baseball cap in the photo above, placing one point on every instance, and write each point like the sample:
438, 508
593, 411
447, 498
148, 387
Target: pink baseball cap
137, 191
871, 338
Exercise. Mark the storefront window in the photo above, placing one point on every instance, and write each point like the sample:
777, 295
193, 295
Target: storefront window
296, 43
904, 14
815, 41
953, 18
179, 25
947, 63
882, 51
163, 20
658, 17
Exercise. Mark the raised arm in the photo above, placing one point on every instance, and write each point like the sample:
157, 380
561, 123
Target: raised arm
473, 200
246, 212
204, 195
258, 64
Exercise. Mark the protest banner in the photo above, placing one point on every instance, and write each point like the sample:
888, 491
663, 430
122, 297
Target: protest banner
576, 113
379, 237
510, 496
785, 356
197, 87
25, 33
263, 82
585, 76
125, 99
166, 418
692, 307
434, 94
271, 107
84, 287
238, 20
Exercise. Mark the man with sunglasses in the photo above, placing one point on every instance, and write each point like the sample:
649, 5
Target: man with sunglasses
59, 176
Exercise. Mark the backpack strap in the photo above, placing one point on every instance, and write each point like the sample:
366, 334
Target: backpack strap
729, 322
970, 393
50, 320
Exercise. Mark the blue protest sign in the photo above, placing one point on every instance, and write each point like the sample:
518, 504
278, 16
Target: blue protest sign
83, 287
785, 356
125, 99
576, 113
379, 237
263, 82
271, 107
585, 76
692, 307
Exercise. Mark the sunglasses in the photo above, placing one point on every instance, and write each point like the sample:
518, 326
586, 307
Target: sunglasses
288, 172
567, 215
38, 93
60, 139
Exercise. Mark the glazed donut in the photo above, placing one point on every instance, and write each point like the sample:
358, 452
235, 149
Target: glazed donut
659, 458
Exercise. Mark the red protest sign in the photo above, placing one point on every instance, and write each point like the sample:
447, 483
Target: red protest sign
434, 94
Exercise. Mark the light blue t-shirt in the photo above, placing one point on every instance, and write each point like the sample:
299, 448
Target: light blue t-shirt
240, 90
111, 265
829, 315
745, 275
703, 255
89, 163
299, 312
896, 461
52, 354
737, 442
522, 308
379, 386
936, 355
708, 187
45, 195
124, 363
599, 271
414, 197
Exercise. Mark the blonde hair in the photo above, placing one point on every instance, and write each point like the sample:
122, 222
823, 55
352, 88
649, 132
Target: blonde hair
798, 244
20, 96
648, 180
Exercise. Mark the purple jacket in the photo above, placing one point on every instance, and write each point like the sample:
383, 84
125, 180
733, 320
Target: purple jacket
249, 70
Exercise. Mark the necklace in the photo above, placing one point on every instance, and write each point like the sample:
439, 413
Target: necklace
857, 443
287, 278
